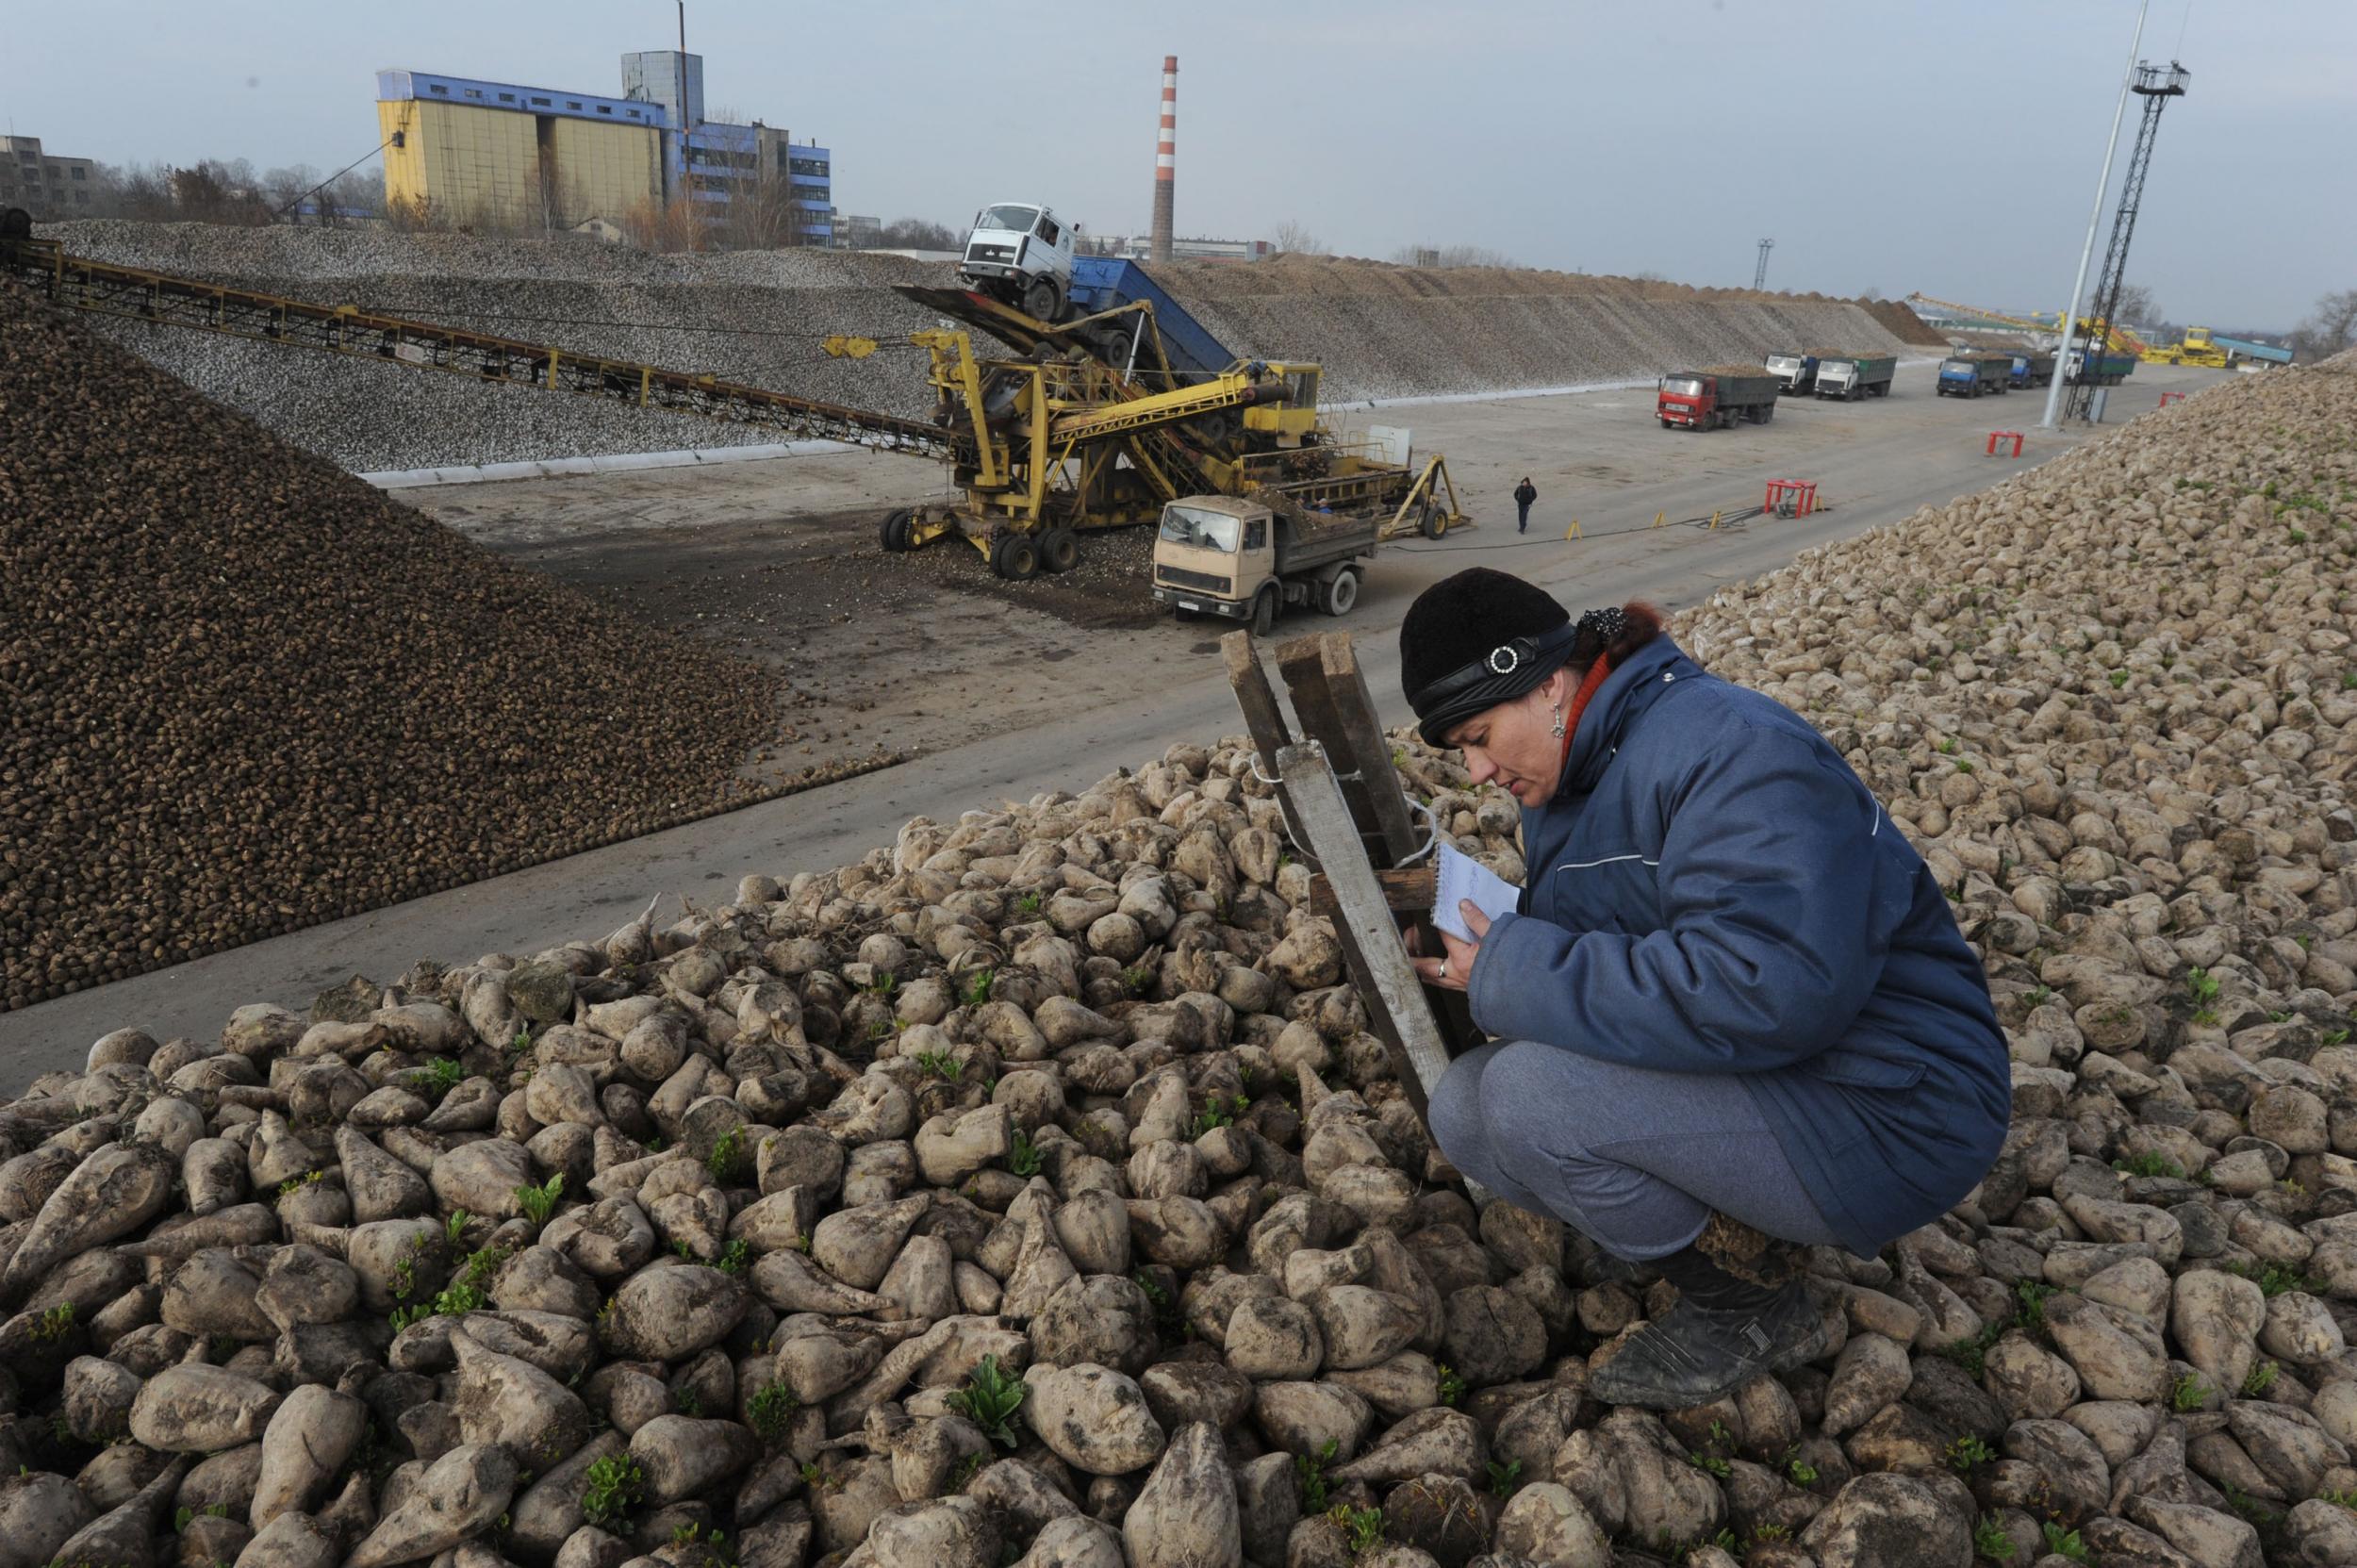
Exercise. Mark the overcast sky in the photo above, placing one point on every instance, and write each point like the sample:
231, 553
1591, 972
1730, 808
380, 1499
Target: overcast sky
1949, 148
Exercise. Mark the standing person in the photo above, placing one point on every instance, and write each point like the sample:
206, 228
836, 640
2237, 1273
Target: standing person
1525, 493
1732, 1014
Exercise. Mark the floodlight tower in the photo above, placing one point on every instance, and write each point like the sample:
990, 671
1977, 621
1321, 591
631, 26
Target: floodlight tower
1760, 274
2156, 85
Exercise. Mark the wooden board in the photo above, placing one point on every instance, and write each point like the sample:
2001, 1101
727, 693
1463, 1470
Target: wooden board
1365, 926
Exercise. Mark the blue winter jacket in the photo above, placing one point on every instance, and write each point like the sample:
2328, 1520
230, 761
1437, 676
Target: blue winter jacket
1712, 890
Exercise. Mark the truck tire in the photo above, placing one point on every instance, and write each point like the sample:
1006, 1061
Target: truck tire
1264, 610
1766, 413
1016, 557
1042, 300
1059, 550
896, 531
1665, 424
1337, 597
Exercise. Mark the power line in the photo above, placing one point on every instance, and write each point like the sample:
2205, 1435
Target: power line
337, 175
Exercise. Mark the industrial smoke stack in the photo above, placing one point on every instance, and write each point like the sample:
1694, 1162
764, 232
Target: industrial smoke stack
1165, 160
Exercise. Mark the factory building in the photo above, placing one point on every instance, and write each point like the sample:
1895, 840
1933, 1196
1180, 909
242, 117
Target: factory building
43, 184
505, 155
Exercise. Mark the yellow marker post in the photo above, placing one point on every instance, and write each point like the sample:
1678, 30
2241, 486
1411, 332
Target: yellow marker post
1573, 532
1659, 519
1714, 522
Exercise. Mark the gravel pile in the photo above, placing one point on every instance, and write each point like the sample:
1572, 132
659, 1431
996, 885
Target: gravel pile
1380, 331
241, 692
1032, 1192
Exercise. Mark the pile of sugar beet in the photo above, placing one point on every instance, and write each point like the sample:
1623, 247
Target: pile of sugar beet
1033, 1191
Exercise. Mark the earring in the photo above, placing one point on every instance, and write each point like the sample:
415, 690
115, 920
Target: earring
1559, 724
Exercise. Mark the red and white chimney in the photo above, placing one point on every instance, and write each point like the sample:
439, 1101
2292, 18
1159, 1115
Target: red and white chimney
1166, 160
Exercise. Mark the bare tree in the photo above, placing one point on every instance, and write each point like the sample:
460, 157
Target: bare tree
1453, 256
1294, 239
354, 191
284, 188
759, 215
916, 234
2137, 308
2330, 329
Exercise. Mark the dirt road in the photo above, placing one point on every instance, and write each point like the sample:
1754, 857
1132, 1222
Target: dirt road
1005, 691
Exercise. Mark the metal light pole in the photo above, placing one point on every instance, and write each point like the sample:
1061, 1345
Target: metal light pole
1760, 274
2069, 323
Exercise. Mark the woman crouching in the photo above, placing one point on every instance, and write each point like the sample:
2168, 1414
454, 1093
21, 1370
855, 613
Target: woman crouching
1732, 1002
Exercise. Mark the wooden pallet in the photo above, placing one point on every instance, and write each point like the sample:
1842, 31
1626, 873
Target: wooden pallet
1373, 871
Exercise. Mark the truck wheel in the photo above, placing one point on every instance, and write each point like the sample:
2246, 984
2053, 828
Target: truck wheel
1341, 593
1059, 550
896, 531
1665, 424
1016, 557
1767, 413
1041, 299
1431, 524
1264, 611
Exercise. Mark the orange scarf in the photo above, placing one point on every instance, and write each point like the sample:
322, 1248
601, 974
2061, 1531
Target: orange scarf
1596, 673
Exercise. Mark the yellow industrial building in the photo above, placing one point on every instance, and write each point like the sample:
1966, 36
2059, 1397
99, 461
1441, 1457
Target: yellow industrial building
502, 155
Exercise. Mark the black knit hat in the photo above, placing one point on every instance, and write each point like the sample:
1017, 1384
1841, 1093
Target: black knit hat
1475, 641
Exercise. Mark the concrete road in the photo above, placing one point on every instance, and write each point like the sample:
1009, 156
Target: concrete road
1598, 458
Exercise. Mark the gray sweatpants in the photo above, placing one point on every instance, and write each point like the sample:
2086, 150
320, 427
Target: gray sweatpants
1634, 1159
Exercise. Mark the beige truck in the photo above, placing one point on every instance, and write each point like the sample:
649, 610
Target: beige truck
1231, 556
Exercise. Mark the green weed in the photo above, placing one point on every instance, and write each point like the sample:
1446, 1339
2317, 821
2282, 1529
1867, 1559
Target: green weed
989, 1399
1968, 1453
1990, 1540
978, 986
1362, 1528
436, 1080
1028, 904
770, 1410
727, 1160
1309, 1475
2261, 1380
2202, 986
1023, 1156
1502, 1477
2063, 1543
611, 1490
539, 1202
54, 1324
2150, 1162
2188, 1392
941, 1064
736, 1257
1452, 1384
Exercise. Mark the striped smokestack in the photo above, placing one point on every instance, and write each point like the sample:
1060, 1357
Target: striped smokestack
1165, 159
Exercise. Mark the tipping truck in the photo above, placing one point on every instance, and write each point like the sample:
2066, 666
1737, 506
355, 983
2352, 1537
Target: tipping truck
1969, 375
1794, 373
2030, 368
1239, 557
1020, 253
1719, 395
1852, 376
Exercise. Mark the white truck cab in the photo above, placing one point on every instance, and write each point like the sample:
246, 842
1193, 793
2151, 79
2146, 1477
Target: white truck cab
1022, 253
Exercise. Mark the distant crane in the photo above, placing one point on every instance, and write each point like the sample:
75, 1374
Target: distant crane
1760, 274
2157, 86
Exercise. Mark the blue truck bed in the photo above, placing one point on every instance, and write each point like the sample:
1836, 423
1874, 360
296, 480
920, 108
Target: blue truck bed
2266, 352
1102, 282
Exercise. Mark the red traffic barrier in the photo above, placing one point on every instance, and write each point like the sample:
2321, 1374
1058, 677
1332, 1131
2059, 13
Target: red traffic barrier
2167, 398
1791, 498
1996, 436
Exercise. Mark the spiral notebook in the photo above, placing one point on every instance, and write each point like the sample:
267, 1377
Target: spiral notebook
1461, 876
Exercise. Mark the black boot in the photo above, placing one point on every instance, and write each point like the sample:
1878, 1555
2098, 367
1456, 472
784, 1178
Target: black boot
1722, 1332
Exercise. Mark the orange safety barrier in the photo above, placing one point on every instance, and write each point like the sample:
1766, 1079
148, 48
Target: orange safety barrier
1791, 498
1997, 435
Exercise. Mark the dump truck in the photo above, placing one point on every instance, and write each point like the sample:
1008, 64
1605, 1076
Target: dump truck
1852, 376
2030, 368
1239, 557
1108, 282
1794, 373
1719, 395
2105, 370
1969, 375
1020, 253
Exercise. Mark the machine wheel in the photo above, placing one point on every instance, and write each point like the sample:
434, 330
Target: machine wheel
1264, 611
1016, 557
1665, 424
1041, 299
1767, 413
1059, 550
1431, 524
896, 531
1340, 594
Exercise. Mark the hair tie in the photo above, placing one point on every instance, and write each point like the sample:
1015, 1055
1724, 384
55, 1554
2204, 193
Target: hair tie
1606, 626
